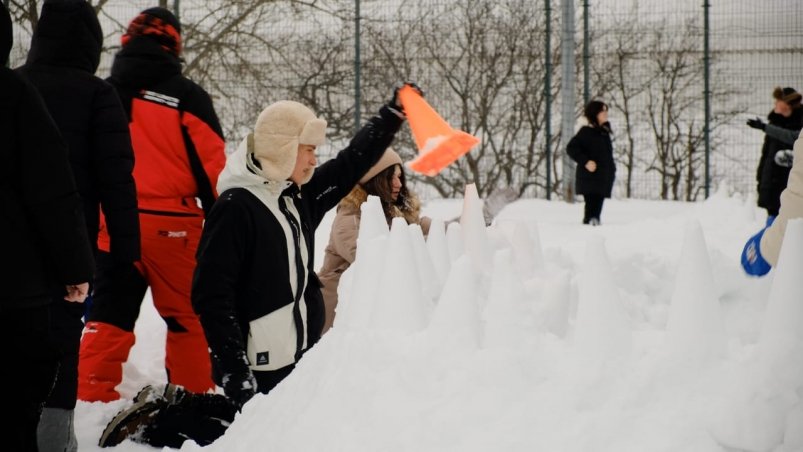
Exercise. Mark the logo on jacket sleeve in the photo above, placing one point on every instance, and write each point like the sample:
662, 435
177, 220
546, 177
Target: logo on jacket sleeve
262, 358
159, 98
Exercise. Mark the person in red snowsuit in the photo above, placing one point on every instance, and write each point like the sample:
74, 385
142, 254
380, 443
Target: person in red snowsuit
179, 151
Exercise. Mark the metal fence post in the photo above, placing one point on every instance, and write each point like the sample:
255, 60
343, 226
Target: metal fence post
356, 65
586, 56
567, 94
548, 98
707, 97
8, 63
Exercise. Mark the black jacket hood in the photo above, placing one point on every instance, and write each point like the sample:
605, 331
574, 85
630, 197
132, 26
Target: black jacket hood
143, 63
68, 34
6, 38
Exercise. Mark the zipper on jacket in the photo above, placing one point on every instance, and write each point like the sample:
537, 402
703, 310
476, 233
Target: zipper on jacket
296, 228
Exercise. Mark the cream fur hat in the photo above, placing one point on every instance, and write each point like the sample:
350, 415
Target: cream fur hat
389, 158
279, 129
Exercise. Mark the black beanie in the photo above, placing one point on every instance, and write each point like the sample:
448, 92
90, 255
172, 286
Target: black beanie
165, 15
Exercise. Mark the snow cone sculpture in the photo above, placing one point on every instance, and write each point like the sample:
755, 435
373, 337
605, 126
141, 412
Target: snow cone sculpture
355, 310
400, 310
695, 332
602, 330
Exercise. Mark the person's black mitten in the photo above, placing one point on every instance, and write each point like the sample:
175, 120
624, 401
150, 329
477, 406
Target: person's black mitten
395, 102
757, 123
240, 388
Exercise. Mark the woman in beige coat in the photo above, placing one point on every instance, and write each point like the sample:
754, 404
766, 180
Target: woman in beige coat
385, 180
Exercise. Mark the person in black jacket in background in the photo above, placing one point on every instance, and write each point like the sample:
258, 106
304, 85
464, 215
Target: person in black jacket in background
785, 122
64, 55
255, 287
592, 149
43, 238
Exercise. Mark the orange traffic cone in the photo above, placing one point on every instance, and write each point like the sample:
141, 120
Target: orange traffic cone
438, 144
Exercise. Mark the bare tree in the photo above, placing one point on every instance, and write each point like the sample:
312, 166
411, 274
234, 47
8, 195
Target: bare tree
481, 63
25, 13
674, 109
235, 49
618, 82
487, 60
249, 53
673, 93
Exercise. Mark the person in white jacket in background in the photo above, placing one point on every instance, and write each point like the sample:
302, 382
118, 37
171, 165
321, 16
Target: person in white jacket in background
761, 251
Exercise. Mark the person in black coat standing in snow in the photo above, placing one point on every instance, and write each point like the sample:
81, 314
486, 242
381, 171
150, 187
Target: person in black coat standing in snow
775, 163
64, 55
43, 237
592, 149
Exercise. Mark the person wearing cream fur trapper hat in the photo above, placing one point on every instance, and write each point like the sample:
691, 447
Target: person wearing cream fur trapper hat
255, 287
278, 132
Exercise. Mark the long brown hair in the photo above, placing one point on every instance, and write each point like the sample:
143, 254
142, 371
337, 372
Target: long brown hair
381, 186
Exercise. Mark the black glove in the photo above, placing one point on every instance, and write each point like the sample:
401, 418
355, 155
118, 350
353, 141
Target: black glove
240, 388
396, 103
756, 124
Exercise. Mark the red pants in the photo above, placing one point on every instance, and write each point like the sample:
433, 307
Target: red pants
168, 261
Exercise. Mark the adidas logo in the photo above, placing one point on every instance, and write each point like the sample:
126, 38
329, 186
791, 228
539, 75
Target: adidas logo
262, 358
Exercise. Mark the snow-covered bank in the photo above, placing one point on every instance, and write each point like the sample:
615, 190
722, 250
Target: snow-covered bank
572, 339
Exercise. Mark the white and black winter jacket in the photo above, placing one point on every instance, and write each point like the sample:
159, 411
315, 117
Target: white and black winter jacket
254, 286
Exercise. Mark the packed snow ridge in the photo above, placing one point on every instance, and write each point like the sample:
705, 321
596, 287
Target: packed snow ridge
472, 340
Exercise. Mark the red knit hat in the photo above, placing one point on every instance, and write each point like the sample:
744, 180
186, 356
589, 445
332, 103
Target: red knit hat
159, 24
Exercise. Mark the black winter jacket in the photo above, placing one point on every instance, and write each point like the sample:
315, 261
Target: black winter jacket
65, 52
243, 267
771, 177
42, 231
593, 143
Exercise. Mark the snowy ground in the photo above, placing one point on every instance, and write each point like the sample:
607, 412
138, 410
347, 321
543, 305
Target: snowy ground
546, 335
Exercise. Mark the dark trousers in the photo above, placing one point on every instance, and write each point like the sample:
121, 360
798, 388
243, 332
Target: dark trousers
66, 325
593, 207
32, 362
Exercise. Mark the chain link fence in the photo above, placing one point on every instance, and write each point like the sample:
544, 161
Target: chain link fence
483, 67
